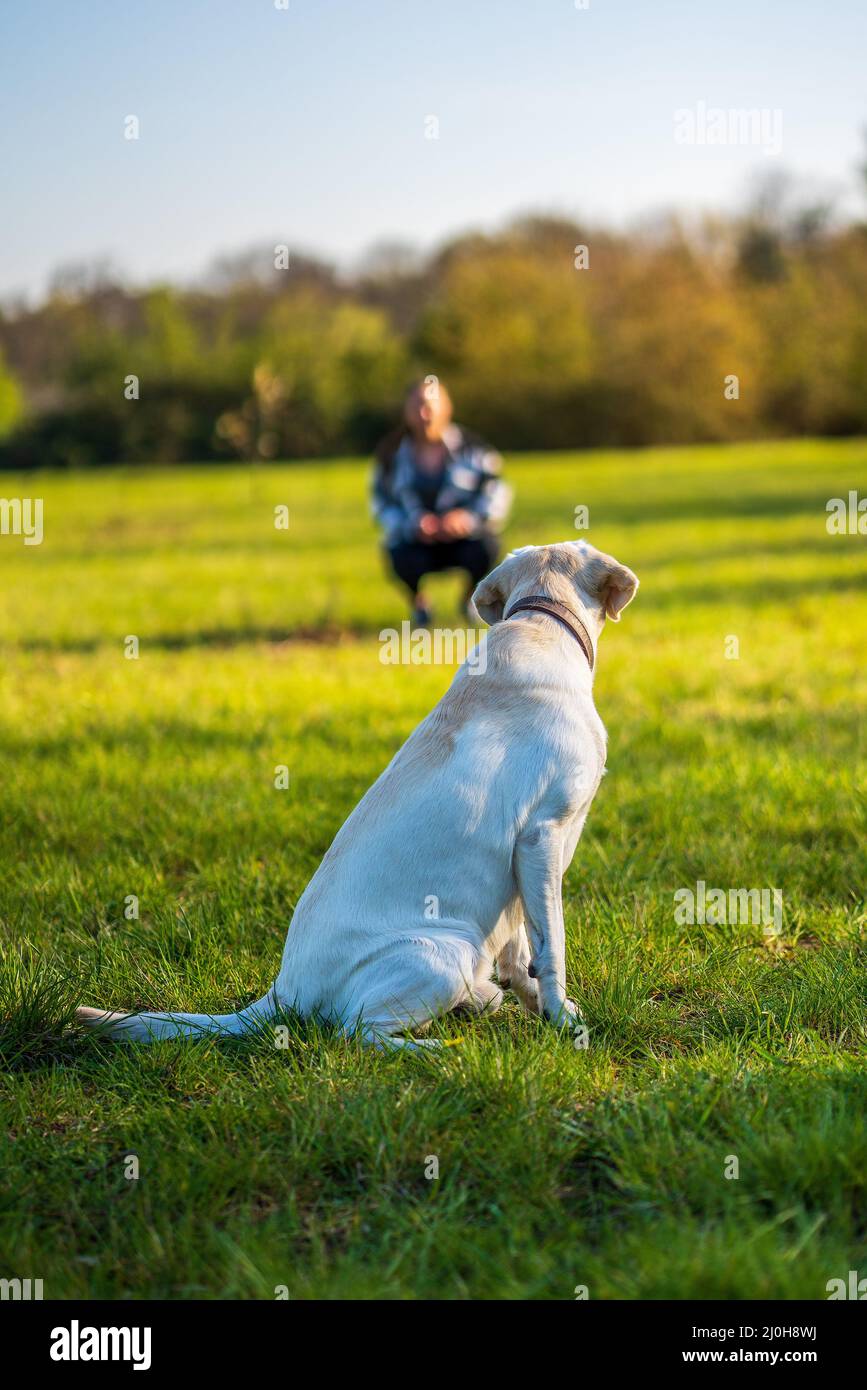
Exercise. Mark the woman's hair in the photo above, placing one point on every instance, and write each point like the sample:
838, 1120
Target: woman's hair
385, 451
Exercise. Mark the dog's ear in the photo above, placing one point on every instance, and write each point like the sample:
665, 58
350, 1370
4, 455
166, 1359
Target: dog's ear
612, 584
489, 600
491, 596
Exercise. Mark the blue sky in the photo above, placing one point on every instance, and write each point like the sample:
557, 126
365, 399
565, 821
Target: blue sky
307, 124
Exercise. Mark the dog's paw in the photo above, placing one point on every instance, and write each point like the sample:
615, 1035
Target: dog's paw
527, 991
564, 1015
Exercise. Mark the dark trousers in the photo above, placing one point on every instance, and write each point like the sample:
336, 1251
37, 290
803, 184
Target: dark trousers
412, 560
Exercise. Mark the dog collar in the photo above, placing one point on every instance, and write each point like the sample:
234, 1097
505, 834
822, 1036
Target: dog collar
540, 603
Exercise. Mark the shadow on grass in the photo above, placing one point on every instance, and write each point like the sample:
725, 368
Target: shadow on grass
328, 634
638, 510
761, 591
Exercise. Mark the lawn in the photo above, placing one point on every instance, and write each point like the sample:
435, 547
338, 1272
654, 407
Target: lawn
309, 1166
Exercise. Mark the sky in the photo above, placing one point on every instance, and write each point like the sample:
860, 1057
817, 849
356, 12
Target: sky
309, 121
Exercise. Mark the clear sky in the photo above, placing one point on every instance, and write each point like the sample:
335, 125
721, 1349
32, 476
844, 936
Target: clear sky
307, 124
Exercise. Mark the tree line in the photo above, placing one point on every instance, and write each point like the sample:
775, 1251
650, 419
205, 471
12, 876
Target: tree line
549, 334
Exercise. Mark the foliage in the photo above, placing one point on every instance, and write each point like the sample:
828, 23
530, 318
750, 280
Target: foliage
634, 348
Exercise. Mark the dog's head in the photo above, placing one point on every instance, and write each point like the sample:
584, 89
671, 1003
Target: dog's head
594, 585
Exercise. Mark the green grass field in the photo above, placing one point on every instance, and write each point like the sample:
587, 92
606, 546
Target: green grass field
306, 1166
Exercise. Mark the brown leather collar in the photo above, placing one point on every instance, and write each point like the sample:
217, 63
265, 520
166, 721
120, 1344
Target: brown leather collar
540, 603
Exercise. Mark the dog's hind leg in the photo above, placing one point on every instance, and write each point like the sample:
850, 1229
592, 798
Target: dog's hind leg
485, 997
420, 980
370, 1036
513, 965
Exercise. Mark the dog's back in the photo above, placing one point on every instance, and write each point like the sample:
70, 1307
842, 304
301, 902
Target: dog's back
429, 847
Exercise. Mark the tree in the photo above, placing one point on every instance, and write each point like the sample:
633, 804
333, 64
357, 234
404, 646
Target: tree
11, 401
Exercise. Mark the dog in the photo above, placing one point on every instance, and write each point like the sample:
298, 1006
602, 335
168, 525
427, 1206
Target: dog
451, 865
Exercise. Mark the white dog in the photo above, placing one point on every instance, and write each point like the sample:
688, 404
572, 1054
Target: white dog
452, 862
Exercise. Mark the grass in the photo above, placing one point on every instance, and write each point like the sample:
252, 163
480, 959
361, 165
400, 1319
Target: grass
306, 1166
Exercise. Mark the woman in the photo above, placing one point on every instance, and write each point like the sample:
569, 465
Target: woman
437, 495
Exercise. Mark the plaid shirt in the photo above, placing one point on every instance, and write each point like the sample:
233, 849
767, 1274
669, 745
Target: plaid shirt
470, 480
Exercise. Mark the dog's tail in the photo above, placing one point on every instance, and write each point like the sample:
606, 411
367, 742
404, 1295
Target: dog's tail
151, 1027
